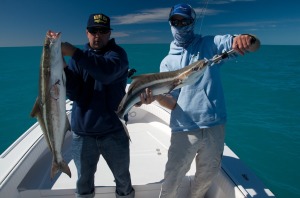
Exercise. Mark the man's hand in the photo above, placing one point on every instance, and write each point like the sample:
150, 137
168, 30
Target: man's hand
145, 98
245, 43
165, 100
67, 49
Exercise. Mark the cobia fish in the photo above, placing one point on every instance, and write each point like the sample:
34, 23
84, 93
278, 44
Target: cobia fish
50, 105
160, 83
165, 82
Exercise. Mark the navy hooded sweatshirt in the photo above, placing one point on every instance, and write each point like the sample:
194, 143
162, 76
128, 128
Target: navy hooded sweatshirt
96, 82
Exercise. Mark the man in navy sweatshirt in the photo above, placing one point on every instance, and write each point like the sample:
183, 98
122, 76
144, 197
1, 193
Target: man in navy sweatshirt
96, 82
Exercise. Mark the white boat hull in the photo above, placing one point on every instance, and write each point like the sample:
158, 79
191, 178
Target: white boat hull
25, 165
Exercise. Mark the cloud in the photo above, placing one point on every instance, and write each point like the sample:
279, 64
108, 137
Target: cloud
135, 33
242, 24
119, 34
155, 15
228, 1
207, 12
144, 16
260, 24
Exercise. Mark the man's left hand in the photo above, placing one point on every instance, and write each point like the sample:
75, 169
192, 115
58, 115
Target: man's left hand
243, 43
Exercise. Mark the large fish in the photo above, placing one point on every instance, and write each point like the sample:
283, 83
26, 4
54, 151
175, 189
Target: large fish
50, 105
165, 82
160, 83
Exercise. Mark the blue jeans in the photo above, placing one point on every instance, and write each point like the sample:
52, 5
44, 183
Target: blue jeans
115, 150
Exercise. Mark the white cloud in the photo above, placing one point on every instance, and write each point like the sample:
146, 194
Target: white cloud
261, 24
144, 16
119, 34
228, 1
153, 16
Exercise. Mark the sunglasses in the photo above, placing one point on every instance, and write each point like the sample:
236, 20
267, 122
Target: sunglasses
182, 22
98, 30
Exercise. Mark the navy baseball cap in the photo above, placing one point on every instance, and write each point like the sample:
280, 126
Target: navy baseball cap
99, 21
184, 10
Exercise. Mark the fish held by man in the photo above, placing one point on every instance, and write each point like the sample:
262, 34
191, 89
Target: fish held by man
160, 83
50, 105
165, 82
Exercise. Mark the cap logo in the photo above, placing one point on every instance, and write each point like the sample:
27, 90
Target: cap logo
100, 19
183, 8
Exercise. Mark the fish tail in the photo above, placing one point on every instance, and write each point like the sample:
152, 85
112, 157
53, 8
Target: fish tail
125, 127
61, 166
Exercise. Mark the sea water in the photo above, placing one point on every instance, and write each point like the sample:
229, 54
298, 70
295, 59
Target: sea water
262, 91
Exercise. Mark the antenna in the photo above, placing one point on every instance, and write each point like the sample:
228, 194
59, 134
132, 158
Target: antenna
202, 13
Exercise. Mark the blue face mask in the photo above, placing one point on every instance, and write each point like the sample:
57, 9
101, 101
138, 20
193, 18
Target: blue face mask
183, 36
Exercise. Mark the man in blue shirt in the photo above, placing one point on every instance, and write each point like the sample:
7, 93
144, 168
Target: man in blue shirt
198, 113
96, 82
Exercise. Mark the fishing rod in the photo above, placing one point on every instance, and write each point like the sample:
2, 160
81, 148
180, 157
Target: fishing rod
218, 58
255, 45
202, 14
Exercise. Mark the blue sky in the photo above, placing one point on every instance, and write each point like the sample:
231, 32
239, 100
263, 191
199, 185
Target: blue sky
25, 22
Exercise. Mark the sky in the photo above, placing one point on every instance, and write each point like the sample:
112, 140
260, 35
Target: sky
25, 22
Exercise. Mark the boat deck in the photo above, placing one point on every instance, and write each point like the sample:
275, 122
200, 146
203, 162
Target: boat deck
148, 155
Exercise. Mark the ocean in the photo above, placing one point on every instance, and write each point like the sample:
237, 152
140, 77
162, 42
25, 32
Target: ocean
262, 91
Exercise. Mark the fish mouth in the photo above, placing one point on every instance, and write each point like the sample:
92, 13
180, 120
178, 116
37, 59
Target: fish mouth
53, 35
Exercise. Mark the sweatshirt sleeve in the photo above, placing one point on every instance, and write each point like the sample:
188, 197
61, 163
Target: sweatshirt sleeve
224, 43
74, 81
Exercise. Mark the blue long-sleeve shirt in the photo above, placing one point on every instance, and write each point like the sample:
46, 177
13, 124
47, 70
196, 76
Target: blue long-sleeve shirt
96, 82
200, 105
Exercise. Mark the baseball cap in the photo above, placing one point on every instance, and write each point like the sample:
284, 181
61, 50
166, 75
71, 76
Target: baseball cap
184, 10
99, 20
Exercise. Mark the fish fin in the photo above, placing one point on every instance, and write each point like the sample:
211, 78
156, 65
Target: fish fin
67, 126
175, 83
35, 109
36, 112
64, 79
138, 104
61, 166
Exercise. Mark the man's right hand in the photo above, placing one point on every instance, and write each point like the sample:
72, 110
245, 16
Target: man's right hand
145, 98
164, 100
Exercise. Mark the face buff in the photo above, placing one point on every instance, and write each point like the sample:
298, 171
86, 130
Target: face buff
183, 36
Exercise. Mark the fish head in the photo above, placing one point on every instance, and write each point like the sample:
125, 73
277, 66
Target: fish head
53, 39
53, 36
52, 49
